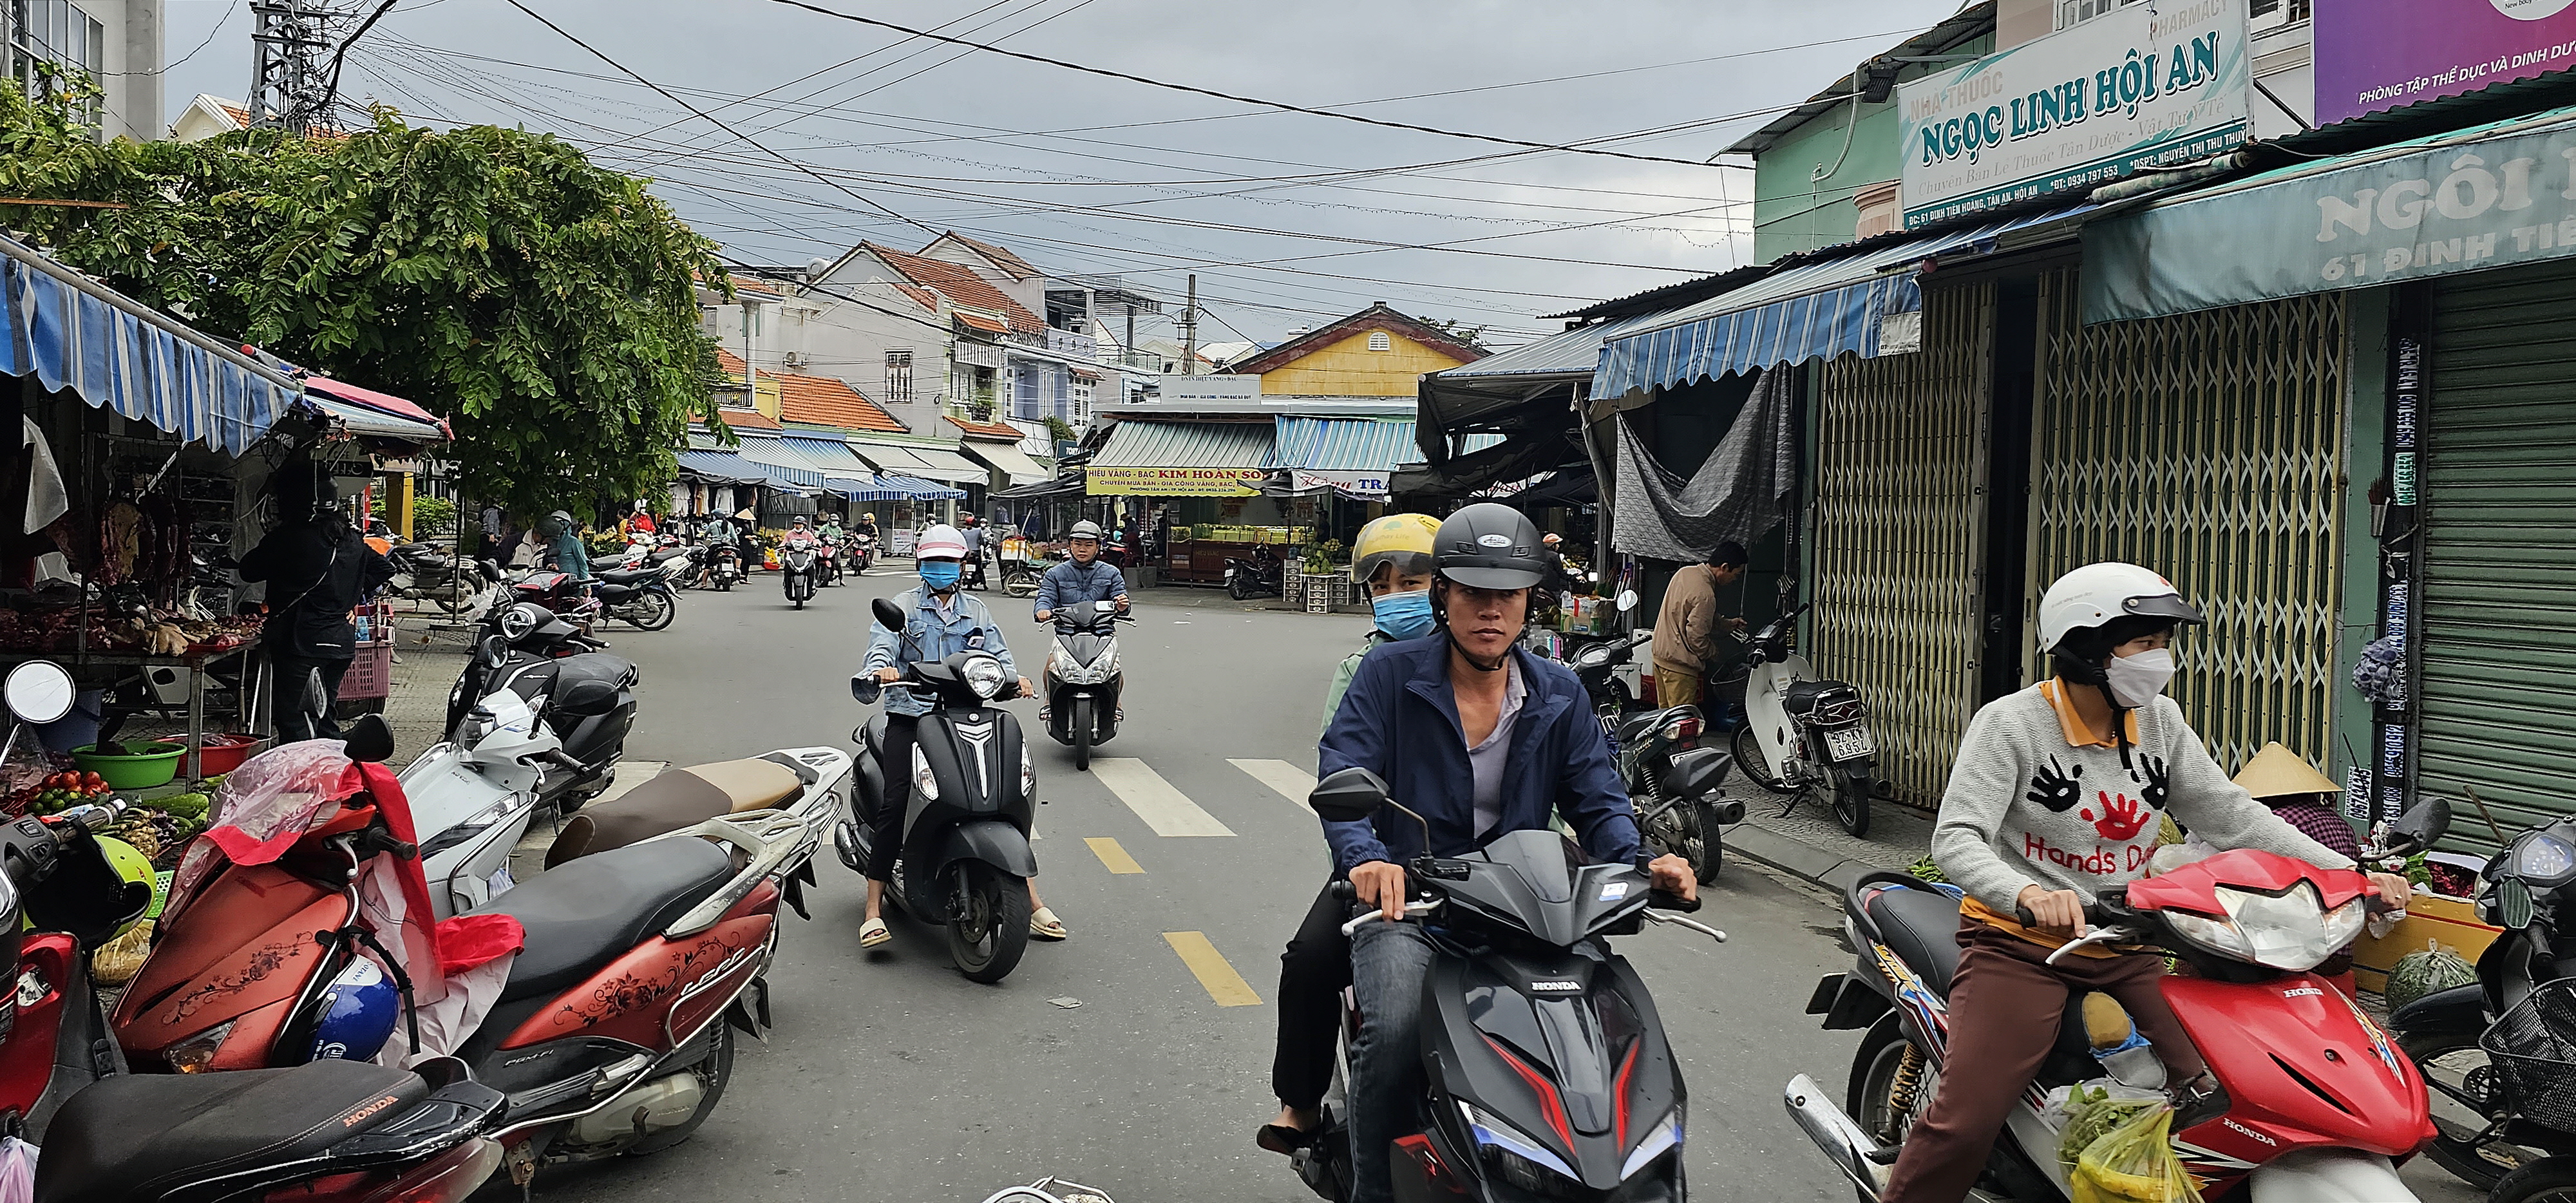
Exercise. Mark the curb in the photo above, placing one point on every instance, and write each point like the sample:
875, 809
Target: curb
1798, 858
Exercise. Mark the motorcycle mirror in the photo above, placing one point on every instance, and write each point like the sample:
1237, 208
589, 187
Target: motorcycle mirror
1627, 600
1348, 796
1696, 773
2416, 830
371, 740
39, 691
888, 614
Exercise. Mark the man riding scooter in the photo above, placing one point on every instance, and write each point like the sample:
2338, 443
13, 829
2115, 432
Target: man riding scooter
1480, 738
1078, 585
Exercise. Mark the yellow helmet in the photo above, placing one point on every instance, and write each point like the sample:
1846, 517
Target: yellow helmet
1404, 540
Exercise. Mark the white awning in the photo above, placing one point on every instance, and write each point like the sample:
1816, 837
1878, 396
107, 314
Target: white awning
1008, 458
922, 460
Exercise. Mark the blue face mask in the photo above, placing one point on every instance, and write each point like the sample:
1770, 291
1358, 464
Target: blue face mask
940, 575
1404, 615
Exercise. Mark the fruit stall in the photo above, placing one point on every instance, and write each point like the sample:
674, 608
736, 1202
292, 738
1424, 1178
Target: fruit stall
1198, 552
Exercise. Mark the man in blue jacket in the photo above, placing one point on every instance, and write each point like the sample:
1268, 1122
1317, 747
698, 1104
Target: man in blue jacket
1480, 738
1077, 585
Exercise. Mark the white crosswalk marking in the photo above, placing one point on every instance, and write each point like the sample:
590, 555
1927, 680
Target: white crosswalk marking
1293, 783
1165, 809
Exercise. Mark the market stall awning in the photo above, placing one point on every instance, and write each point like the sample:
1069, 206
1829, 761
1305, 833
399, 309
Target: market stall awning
1816, 310
920, 460
898, 488
375, 423
720, 467
1342, 444
1009, 459
118, 354
1061, 486
1148, 444
385, 404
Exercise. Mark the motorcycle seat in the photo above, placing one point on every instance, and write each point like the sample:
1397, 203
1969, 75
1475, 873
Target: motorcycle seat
872, 736
1801, 698
596, 909
628, 576
140, 1136
671, 801
669, 554
1921, 926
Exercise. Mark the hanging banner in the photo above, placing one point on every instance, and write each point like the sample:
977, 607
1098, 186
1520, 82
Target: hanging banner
2385, 54
2140, 86
1174, 482
1371, 484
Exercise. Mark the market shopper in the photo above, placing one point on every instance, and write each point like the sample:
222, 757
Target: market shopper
1686, 648
317, 569
565, 549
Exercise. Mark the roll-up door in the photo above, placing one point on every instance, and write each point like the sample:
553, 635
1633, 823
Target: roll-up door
2498, 608
2207, 446
1900, 456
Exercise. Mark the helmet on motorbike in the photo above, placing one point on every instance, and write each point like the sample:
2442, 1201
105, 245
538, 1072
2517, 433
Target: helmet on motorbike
355, 1014
1489, 546
870, 516
941, 542
1403, 540
2093, 609
1085, 529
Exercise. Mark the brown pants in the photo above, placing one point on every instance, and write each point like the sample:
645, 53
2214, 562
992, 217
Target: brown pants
1677, 686
2005, 1007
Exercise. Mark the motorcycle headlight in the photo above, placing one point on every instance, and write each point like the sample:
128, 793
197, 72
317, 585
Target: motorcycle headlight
2292, 931
925, 784
520, 620
2543, 860
984, 675
1518, 1159
196, 1054
1028, 775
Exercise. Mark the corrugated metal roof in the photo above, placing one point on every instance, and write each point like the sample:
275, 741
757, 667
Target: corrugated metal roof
1342, 444
1140, 444
1568, 353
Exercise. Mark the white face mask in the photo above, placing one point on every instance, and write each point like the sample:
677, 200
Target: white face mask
2136, 680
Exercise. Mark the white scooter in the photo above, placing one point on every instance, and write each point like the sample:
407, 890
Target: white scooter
1801, 733
471, 800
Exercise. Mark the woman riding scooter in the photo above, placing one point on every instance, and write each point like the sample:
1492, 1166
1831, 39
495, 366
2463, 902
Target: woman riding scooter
942, 620
2055, 799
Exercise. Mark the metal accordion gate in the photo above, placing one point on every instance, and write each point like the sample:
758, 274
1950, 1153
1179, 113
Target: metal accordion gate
2209, 447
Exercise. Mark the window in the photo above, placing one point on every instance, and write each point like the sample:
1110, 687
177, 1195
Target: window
54, 32
898, 376
2076, 12
2269, 15
1378, 341
1081, 401
1026, 401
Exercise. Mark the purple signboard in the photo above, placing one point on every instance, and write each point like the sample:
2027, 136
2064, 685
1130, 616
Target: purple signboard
2383, 54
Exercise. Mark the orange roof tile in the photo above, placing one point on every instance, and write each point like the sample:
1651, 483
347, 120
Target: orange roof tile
960, 285
981, 322
994, 430
747, 284
817, 400
1002, 257
747, 419
929, 300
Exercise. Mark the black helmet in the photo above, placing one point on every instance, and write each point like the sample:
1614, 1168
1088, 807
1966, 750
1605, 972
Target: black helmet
1489, 546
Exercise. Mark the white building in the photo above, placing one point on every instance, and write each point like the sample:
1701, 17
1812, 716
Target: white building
115, 42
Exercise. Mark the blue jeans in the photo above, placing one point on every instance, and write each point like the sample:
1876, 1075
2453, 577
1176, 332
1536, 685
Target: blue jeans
1389, 962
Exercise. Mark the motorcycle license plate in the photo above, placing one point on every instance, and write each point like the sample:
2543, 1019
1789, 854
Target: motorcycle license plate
1848, 743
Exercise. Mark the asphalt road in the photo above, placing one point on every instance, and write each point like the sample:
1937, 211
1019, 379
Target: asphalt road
889, 1077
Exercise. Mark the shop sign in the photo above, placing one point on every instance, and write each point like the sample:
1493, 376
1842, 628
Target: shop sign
2139, 86
1174, 387
2384, 54
1174, 482
1371, 483
2465, 207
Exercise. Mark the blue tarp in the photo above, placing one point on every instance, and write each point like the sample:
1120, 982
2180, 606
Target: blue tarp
118, 354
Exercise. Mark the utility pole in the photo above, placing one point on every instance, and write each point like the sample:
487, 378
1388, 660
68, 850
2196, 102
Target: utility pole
289, 44
1190, 331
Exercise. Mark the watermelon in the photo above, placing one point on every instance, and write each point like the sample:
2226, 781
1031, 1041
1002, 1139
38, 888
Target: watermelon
2430, 971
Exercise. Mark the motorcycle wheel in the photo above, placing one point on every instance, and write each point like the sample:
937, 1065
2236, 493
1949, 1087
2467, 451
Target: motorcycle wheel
2453, 1065
712, 1074
1876, 1068
1851, 800
1711, 841
1234, 588
1750, 761
1021, 584
987, 942
2548, 1180
1080, 725
651, 612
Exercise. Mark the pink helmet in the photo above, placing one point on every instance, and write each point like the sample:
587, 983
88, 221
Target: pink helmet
941, 542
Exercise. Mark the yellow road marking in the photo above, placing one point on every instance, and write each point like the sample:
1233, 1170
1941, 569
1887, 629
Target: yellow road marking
1113, 857
1219, 978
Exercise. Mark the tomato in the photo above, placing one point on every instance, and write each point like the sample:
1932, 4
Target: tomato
93, 780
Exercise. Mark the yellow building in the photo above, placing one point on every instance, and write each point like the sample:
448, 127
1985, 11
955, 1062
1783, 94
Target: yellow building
1376, 352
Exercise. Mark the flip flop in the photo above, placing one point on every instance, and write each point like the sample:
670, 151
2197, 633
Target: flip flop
1045, 926
873, 933
1282, 1139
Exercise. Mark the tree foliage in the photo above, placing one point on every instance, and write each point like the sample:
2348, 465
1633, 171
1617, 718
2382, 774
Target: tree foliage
543, 304
1458, 329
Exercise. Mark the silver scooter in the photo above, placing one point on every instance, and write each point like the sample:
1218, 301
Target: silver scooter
1801, 733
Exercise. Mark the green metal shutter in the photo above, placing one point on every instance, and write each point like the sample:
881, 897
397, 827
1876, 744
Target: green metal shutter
2207, 446
1900, 510
2498, 606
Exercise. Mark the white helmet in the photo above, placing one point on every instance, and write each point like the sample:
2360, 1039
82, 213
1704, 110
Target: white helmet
2096, 594
941, 542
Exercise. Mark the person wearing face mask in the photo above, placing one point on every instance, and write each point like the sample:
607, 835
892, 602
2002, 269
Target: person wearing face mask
1391, 558
942, 621
2056, 798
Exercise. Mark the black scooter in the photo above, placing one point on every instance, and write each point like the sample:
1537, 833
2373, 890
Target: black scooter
640, 597
1548, 1071
1256, 575
1084, 679
589, 695
1688, 823
796, 563
965, 860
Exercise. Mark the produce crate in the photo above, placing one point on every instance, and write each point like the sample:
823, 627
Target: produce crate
371, 674
1319, 592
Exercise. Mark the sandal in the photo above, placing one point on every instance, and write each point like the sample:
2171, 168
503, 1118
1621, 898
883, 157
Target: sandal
1282, 1139
873, 933
1045, 926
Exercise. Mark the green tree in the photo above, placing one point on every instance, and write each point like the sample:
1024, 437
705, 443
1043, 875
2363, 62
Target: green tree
543, 304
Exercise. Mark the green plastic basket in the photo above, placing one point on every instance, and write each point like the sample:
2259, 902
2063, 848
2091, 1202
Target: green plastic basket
130, 772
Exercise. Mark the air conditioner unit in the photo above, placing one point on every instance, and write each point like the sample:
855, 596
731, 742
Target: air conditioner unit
794, 359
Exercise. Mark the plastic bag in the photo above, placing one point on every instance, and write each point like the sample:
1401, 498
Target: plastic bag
17, 1171
2134, 1163
2092, 1110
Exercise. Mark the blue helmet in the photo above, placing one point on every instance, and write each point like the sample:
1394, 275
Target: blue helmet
356, 1014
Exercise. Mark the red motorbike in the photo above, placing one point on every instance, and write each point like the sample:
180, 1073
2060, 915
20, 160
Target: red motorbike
560, 592
613, 1032
2315, 1103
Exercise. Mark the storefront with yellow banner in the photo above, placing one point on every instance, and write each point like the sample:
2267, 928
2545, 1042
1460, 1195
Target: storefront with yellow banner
1195, 488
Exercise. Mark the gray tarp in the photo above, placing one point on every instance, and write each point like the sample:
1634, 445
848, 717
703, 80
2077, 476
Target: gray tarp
1739, 494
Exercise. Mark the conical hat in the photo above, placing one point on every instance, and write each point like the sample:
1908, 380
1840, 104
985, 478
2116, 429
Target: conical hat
2276, 771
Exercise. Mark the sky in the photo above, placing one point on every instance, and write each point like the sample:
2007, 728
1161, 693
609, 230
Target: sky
839, 132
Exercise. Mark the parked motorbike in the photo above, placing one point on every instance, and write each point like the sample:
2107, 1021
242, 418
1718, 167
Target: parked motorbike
965, 860
614, 1032
1548, 1072
457, 584
1690, 825
796, 560
474, 795
1801, 733
582, 693
558, 592
2312, 1102
1596, 662
1021, 578
1084, 679
640, 597
1256, 575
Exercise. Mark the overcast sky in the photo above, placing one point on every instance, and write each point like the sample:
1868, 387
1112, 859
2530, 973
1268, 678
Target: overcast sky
1014, 151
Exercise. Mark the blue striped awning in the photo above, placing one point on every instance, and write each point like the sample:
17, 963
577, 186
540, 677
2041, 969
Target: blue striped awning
1342, 444
118, 354
731, 467
890, 487
1815, 310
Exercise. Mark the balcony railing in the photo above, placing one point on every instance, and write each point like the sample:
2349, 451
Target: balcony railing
1061, 342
